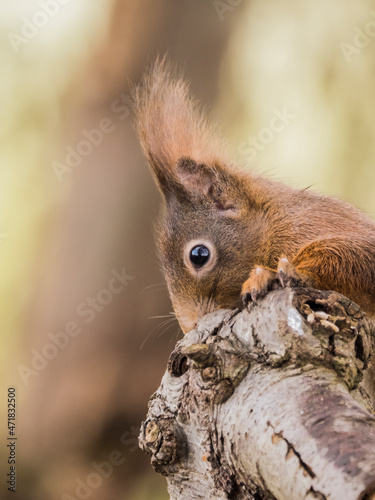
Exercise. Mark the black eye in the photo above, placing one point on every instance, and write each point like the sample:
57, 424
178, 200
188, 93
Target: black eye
199, 256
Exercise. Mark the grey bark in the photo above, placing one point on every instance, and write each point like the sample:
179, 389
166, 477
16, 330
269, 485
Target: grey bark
274, 401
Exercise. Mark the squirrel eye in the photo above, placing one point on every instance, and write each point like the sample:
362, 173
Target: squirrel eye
199, 256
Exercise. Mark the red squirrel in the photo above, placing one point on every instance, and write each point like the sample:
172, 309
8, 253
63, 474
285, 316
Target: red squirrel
226, 234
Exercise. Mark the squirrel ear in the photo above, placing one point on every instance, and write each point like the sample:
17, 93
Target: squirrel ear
168, 183
170, 126
202, 180
197, 178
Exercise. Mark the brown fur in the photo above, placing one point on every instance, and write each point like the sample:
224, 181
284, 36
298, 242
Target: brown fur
250, 221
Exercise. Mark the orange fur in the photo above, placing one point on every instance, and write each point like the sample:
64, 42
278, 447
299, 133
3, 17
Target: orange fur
169, 123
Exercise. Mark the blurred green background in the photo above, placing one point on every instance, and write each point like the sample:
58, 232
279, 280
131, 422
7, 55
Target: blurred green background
291, 84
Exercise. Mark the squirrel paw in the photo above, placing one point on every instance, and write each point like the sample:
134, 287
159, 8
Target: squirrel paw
262, 280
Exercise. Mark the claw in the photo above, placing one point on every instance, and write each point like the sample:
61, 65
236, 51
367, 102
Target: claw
263, 280
282, 278
247, 298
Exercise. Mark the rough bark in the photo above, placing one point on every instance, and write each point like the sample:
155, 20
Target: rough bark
273, 401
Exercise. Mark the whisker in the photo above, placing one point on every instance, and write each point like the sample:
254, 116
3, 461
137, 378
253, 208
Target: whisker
152, 286
158, 317
165, 330
157, 328
176, 335
145, 340
162, 324
154, 330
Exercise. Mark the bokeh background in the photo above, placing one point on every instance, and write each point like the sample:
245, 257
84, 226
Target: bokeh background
291, 84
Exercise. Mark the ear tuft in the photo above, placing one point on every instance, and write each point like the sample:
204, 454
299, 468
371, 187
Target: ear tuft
170, 125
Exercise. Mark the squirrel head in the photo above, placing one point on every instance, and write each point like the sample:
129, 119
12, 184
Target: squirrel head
206, 202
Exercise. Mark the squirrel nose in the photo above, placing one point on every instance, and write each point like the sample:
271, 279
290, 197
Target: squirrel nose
188, 314
187, 326
187, 321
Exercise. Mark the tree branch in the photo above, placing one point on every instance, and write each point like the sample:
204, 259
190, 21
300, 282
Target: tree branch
274, 401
